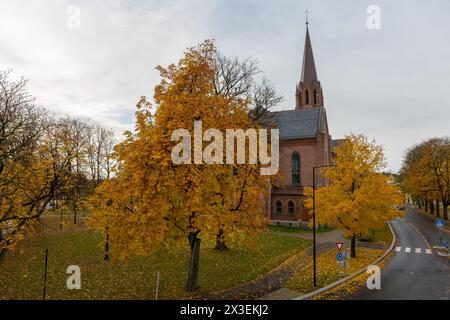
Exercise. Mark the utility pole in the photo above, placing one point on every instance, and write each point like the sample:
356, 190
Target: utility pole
314, 219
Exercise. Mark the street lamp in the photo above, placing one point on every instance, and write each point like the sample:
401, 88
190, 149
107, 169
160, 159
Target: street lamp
314, 217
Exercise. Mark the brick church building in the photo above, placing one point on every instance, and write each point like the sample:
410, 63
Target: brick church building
305, 142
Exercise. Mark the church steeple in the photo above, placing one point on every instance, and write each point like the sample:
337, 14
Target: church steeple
309, 91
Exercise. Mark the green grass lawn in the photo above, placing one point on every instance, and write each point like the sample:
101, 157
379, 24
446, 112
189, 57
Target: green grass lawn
379, 236
22, 271
285, 229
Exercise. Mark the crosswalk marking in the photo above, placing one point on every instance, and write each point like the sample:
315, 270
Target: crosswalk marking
416, 250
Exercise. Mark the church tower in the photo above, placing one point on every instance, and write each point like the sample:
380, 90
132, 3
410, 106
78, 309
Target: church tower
309, 91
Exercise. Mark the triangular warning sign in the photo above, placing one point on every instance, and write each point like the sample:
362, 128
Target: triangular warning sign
339, 245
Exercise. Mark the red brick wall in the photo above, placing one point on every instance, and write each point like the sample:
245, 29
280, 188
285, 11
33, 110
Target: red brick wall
313, 152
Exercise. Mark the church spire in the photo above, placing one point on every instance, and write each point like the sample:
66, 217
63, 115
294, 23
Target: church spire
309, 90
309, 73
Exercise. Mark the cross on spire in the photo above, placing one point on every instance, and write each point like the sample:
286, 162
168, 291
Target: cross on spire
309, 90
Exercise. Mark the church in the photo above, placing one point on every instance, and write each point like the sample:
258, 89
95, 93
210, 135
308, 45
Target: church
305, 143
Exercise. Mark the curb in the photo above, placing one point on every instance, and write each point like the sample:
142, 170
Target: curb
357, 273
438, 250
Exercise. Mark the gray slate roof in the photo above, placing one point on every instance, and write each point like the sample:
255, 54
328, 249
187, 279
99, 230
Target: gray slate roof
298, 124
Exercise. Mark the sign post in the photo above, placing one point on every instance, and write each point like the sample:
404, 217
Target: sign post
440, 225
158, 277
341, 257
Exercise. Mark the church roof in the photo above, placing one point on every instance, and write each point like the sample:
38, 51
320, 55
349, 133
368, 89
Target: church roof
299, 123
309, 73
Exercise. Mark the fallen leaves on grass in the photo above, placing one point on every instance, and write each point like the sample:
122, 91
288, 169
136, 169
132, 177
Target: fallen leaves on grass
329, 271
22, 271
347, 289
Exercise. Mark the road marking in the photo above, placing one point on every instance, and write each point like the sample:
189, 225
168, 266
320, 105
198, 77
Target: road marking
428, 251
407, 249
420, 233
418, 250
398, 249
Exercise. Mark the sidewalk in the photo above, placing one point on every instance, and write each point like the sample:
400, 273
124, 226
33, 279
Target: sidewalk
326, 237
270, 282
333, 235
431, 217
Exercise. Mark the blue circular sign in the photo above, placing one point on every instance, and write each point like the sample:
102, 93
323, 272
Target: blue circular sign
339, 257
439, 223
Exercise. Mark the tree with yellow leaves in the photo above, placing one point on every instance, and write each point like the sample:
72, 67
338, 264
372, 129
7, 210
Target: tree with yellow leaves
152, 201
35, 161
359, 196
425, 174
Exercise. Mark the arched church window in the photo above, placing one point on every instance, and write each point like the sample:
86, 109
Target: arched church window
296, 168
291, 208
315, 96
306, 97
278, 208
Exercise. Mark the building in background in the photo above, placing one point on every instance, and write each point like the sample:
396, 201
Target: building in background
305, 142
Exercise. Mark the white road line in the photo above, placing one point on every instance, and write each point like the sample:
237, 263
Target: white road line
407, 249
398, 249
428, 251
420, 233
418, 250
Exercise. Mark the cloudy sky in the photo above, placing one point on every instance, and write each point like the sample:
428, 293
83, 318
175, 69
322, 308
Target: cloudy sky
392, 84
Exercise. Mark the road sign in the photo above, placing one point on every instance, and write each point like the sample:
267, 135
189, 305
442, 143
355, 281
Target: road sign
439, 223
339, 245
339, 256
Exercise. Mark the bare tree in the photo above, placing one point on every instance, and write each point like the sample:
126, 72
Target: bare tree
100, 153
32, 164
238, 78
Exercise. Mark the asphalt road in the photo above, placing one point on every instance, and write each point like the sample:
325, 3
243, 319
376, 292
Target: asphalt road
417, 273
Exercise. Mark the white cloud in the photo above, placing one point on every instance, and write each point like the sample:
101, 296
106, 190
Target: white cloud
391, 84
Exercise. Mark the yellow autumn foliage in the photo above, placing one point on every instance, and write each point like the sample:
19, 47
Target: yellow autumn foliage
359, 196
152, 202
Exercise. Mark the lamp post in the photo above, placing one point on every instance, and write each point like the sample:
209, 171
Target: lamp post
314, 218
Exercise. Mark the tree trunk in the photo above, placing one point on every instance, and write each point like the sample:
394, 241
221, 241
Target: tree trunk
194, 265
220, 241
431, 207
438, 210
445, 206
3, 250
426, 205
3, 254
74, 208
353, 247
420, 204
107, 245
